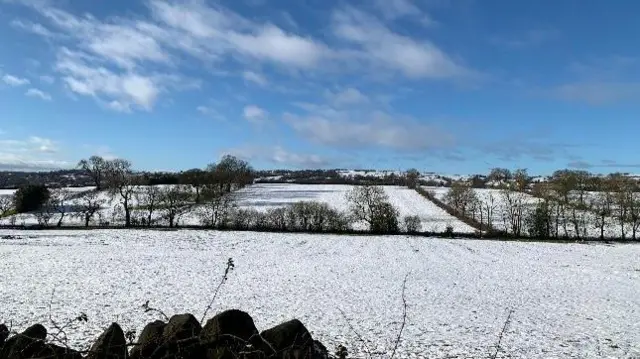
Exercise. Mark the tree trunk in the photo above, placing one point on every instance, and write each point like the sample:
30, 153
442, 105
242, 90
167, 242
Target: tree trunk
86, 220
60, 220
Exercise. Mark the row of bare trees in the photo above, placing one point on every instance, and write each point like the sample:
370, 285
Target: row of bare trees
570, 203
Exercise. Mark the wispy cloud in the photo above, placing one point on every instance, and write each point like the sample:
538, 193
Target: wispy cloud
279, 156
395, 9
211, 112
377, 45
602, 81
608, 164
32, 27
347, 97
124, 61
255, 115
254, 77
33, 153
598, 93
33, 92
14, 80
49, 80
376, 129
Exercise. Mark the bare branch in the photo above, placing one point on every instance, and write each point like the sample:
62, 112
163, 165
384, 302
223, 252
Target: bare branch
404, 316
225, 276
502, 332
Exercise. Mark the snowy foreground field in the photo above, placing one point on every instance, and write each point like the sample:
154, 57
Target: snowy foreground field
568, 300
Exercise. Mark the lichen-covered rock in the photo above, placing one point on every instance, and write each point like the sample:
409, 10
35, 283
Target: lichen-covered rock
181, 326
286, 335
110, 345
231, 322
149, 341
4, 334
26, 344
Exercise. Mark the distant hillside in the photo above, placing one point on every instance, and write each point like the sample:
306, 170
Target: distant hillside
62, 178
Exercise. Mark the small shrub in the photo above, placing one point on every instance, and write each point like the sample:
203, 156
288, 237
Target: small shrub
449, 231
31, 198
313, 217
539, 221
277, 218
385, 219
412, 224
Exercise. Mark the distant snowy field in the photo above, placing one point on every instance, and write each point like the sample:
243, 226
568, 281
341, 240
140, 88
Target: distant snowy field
265, 196
568, 300
407, 201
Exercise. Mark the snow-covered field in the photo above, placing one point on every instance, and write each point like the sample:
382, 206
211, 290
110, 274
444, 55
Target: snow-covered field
568, 300
265, 196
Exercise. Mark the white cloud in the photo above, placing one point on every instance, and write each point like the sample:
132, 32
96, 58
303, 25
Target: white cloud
272, 43
279, 156
347, 97
33, 92
211, 112
254, 77
126, 62
255, 114
378, 129
384, 48
123, 90
394, 9
35, 28
14, 80
33, 153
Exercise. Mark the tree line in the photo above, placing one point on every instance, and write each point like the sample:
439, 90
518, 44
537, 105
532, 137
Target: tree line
569, 203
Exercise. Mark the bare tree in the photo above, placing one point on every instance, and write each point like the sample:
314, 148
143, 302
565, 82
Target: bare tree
620, 187
174, 201
231, 173
601, 205
371, 205
59, 203
487, 210
6, 204
95, 167
522, 179
460, 196
412, 177
45, 214
217, 206
197, 179
633, 203
121, 181
148, 200
500, 175
89, 204
513, 210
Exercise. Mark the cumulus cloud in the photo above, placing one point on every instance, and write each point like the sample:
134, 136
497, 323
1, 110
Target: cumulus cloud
14, 80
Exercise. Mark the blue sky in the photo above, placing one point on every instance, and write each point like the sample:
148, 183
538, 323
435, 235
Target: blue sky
440, 85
